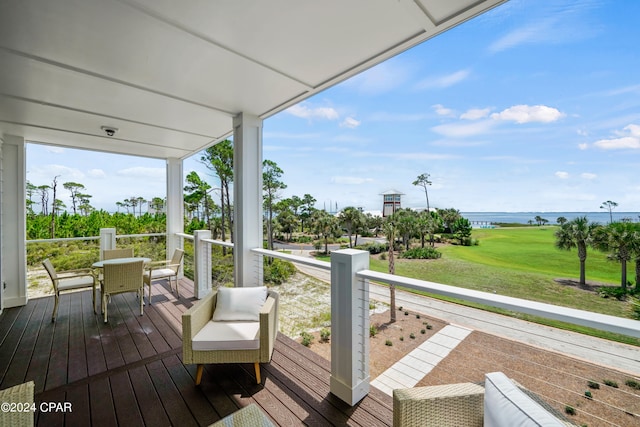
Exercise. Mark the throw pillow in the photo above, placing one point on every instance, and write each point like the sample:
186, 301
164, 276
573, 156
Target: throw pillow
235, 304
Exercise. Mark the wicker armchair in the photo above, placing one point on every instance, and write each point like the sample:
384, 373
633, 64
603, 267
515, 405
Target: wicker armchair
20, 394
117, 253
164, 269
122, 277
69, 280
198, 316
439, 406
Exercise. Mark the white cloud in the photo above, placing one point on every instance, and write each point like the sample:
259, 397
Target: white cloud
143, 172
461, 130
583, 146
350, 123
588, 175
475, 113
441, 110
96, 173
53, 149
445, 81
350, 180
529, 113
302, 110
397, 117
382, 78
629, 137
562, 175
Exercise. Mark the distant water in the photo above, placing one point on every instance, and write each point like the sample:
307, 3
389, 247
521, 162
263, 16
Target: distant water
524, 217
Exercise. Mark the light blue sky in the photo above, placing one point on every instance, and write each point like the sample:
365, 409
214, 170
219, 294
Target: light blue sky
534, 106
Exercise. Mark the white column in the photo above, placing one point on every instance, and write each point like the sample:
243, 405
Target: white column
247, 199
175, 205
201, 264
349, 326
107, 240
13, 254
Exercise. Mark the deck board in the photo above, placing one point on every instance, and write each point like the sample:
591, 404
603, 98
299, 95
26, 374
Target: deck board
129, 371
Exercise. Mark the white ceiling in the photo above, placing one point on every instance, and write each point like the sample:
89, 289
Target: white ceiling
170, 75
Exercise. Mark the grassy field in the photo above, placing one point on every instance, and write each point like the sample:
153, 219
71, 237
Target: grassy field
518, 262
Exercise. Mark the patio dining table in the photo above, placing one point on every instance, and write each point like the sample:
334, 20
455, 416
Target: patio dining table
100, 264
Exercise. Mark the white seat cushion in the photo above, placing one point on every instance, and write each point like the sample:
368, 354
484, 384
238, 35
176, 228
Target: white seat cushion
162, 272
235, 304
74, 283
228, 336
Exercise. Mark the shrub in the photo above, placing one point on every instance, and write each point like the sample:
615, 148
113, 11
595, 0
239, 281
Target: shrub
633, 384
422, 253
610, 383
588, 394
635, 308
383, 256
412, 336
306, 338
278, 271
570, 410
406, 313
374, 248
401, 338
594, 385
417, 316
373, 330
325, 333
613, 292
388, 343
423, 331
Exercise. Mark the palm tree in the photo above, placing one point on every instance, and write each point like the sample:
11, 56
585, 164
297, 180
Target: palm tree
324, 225
576, 233
390, 230
353, 221
619, 239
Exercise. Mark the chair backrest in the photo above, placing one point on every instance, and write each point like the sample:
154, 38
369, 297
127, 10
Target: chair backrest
176, 259
52, 272
117, 253
123, 276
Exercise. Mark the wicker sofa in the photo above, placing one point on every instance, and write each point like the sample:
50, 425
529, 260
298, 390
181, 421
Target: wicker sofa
500, 403
20, 412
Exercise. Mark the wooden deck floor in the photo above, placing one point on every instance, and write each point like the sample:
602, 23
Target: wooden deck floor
129, 371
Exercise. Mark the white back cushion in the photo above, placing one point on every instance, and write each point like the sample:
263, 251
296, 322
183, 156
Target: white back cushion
233, 304
505, 405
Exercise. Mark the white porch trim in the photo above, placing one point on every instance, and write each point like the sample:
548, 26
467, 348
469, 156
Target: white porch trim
247, 199
13, 255
175, 205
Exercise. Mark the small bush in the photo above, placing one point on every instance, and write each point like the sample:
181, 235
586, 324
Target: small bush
570, 410
429, 326
406, 313
388, 343
278, 271
635, 307
412, 336
400, 308
417, 316
373, 330
593, 385
423, 331
306, 338
383, 256
610, 383
422, 253
613, 292
325, 333
588, 394
633, 384
401, 338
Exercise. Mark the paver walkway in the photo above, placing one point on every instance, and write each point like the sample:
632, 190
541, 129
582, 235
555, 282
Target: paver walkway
409, 370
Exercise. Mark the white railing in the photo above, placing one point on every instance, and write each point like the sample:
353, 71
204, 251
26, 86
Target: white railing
589, 319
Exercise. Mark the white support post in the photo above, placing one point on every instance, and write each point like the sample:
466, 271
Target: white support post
202, 264
13, 253
107, 240
175, 205
247, 199
349, 326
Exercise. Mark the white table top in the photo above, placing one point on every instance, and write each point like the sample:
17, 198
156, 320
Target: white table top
101, 264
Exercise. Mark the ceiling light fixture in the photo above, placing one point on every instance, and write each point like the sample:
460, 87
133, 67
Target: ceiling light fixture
110, 131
